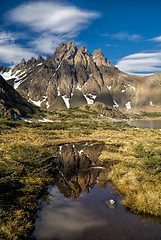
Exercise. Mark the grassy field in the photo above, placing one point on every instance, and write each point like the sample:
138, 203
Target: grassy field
132, 158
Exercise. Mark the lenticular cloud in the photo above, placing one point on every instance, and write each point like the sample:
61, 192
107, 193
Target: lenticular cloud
51, 17
143, 63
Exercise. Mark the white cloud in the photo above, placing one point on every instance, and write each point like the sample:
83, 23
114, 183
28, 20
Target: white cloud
52, 17
141, 63
110, 45
49, 24
156, 39
7, 37
10, 52
124, 36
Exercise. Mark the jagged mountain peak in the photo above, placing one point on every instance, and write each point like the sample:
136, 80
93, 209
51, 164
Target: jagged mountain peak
100, 59
73, 76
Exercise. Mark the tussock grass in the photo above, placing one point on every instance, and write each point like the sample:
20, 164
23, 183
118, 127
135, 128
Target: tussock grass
135, 171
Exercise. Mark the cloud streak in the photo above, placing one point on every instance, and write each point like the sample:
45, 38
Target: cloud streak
156, 39
141, 63
124, 36
52, 17
10, 52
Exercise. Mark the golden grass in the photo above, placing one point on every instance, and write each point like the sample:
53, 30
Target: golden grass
124, 170
129, 174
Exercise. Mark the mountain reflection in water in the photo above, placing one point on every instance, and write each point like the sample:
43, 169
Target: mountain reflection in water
77, 208
78, 170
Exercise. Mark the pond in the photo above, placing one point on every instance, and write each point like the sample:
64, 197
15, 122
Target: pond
79, 206
152, 124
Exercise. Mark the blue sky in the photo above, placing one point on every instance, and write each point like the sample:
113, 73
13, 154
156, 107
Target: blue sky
127, 31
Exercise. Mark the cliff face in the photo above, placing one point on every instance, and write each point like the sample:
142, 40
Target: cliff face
12, 105
72, 77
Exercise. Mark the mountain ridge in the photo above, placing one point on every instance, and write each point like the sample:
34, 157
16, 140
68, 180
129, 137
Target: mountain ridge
72, 77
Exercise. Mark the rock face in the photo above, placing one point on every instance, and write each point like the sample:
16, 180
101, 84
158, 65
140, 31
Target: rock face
12, 105
72, 77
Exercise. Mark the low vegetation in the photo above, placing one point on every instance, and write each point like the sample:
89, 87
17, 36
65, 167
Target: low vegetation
134, 169
132, 158
151, 114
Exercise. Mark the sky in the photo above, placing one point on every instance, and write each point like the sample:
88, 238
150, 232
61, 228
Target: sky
127, 31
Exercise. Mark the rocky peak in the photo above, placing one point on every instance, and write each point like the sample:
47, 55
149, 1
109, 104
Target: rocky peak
31, 62
4, 69
22, 63
40, 59
100, 59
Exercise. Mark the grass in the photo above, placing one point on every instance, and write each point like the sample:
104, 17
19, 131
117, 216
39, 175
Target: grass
24, 176
135, 171
132, 158
151, 114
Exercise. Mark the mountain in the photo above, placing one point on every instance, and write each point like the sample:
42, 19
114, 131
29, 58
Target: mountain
12, 105
73, 77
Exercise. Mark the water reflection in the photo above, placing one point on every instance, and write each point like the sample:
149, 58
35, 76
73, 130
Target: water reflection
78, 204
78, 170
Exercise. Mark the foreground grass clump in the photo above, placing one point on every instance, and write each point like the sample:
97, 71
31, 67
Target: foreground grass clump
137, 176
24, 176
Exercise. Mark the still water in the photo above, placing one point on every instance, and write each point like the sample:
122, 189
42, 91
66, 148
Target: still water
152, 124
78, 205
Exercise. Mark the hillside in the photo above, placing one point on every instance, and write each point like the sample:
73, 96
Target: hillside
12, 105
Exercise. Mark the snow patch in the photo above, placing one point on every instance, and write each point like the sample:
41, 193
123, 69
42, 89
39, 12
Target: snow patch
58, 91
90, 75
93, 57
131, 87
6, 75
60, 148
38, 103
47, 105
92, 96
45, 120
109, 87
58, 66
80, 152
89, 100
79, 88
151, 103
115, 104
66, 100
128, 105
18, 82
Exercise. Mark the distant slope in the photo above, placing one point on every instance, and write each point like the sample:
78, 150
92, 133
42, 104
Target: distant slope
12, 105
